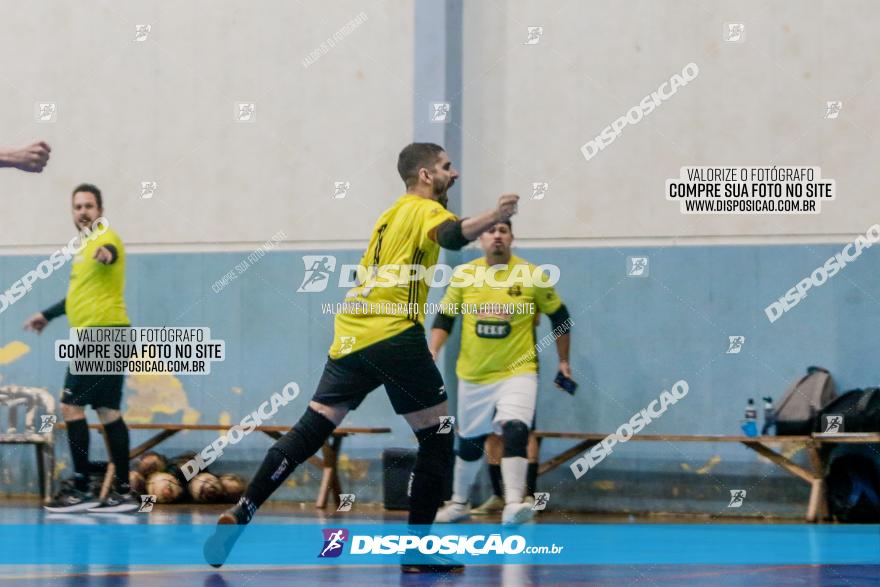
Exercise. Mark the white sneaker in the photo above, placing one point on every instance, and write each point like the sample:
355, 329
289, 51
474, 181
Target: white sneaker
453, 511
517, 513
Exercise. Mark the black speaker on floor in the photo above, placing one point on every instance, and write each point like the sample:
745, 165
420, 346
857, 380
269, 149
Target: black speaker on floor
397, 464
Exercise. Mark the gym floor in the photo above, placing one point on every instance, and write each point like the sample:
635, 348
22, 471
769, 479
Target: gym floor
27, 511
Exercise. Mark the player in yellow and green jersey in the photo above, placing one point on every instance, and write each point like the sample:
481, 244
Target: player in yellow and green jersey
95, 297
379, 339
498, 296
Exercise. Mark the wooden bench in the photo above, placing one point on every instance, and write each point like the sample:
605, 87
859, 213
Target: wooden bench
817, 446
26, 409
328, 462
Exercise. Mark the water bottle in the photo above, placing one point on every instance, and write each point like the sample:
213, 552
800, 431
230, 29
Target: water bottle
750, 423
769, 417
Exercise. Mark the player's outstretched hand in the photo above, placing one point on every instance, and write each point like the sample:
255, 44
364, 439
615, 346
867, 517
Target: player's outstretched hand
31, 158
103, 255
507, 204
36, 323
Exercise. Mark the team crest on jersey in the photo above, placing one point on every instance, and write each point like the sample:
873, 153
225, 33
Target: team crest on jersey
515, 290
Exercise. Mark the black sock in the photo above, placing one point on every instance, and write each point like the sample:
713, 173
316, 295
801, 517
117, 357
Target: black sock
495, 476
117, 441
531, 478
292, 449
78, 438
433, 466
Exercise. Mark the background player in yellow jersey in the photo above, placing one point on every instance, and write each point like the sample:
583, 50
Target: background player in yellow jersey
95, 297
381, 341
497, 366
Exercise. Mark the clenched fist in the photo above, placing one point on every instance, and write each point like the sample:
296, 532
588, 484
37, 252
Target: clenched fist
507, 206
31, 158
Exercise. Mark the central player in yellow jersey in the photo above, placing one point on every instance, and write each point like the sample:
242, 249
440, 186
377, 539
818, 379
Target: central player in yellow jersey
381, 341
497, 367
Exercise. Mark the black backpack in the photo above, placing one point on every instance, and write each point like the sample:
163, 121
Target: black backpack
860, 409
853, 485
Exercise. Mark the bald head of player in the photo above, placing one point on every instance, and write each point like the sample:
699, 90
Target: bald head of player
496, 243
426, 170
86, 205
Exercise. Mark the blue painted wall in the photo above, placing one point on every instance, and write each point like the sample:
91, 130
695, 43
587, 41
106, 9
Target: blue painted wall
633, 337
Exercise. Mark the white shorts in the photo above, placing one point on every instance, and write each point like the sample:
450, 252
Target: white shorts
482, 407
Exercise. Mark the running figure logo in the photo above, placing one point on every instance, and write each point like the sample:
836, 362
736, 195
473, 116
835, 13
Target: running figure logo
534, 33
346, 344
334, 539
833, 108
539, 189
736, 498
734, 32
637, 266
440, 112
246, 112
147, 503
832, 423
446, 424
148, 189
346, 500
318, 270
47, 112
340, 189
735, 344
47, 423
141, 32
541, 500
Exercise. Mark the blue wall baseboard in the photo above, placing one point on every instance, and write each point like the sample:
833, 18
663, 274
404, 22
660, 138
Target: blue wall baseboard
633, 337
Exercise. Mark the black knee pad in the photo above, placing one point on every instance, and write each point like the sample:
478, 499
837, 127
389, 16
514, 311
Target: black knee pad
471, 449
435, 450
516, 438
305, 438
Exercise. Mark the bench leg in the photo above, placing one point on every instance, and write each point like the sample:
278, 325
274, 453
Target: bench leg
817, 508
330, 475
49, 467
817, 496
41, 471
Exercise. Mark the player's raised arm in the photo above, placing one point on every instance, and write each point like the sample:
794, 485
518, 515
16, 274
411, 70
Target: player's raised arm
454, 234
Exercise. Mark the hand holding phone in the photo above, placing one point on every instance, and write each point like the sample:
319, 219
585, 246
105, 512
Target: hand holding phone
566, 383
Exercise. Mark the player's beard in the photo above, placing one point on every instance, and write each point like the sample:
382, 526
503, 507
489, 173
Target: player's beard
441, 189
83, 222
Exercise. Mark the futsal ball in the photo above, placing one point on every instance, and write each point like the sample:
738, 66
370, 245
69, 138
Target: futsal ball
205, 488
233, 487
164, 486
151, 462
137, 482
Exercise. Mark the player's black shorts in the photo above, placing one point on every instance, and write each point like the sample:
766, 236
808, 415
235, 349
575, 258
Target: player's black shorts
98, 391
402, 363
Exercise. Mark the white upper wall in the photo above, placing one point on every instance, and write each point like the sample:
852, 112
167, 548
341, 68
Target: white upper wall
529, 108
164, 110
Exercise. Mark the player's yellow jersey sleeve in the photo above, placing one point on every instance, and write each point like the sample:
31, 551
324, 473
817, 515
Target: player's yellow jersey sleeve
394, 287
546, 299
435, 215
96, 294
